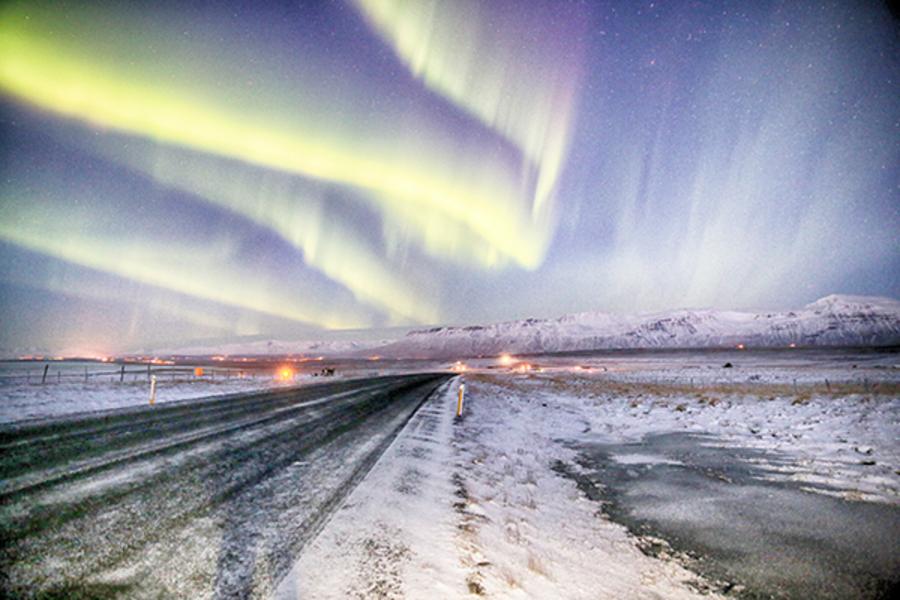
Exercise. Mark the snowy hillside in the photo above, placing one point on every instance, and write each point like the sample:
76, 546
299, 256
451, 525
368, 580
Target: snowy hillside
832, 321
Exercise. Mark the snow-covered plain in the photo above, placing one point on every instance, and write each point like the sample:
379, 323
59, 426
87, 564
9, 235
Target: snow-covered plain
844, 437
67, 390
474, 507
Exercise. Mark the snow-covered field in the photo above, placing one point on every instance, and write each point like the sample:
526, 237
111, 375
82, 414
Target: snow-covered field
67, 390
473, 509
838, 435
34, 400
475, 506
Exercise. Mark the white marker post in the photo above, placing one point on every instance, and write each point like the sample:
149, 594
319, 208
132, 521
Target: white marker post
152, 389
459, 402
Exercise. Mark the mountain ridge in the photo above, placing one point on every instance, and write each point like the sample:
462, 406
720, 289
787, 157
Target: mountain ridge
835, 320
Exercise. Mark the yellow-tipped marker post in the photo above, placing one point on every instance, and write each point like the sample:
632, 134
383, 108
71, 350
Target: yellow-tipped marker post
459, 401
152, 390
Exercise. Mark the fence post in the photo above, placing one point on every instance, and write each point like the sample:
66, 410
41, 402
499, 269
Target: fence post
44, 376
122, 374
152, 389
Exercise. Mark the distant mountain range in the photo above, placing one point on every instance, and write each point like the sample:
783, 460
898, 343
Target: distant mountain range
832, 321
835, 320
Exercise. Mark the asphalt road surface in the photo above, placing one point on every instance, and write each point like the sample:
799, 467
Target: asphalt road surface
716, 506
214, 497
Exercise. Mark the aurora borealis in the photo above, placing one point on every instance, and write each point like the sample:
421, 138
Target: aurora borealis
210, 171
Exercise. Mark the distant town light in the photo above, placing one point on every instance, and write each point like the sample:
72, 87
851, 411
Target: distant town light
740, 346
285, 373
198, 371
505, 359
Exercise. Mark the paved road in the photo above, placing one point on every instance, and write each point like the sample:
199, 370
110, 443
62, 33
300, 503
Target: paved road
717, 505
188, 499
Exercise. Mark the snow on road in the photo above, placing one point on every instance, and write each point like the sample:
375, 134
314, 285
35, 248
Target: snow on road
208, 499
473, 508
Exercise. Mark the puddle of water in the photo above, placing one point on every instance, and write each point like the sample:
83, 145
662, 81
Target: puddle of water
715, 504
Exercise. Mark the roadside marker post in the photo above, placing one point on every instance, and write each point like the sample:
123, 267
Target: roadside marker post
152, 389
459, 401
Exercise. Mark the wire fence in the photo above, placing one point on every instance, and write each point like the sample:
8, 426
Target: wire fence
48, 374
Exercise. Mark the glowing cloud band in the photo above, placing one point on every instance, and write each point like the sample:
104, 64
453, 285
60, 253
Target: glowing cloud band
58, 74
296, 211
514, 67
60, 233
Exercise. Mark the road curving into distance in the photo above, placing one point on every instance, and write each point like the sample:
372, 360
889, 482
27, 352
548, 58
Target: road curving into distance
200, 498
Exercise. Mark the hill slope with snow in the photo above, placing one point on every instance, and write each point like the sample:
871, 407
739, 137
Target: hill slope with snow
832, 321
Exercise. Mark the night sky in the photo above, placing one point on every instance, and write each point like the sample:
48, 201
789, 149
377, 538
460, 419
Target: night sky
213, 170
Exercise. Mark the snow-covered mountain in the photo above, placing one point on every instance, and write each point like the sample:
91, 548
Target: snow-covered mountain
832, 321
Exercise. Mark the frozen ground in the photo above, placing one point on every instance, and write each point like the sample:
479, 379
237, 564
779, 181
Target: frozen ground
483, 506
839, 434
474, 509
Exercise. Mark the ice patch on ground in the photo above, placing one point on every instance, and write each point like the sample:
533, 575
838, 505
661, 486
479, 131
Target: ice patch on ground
643, 459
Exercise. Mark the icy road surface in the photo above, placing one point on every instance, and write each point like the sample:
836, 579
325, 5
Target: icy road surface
192, 499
